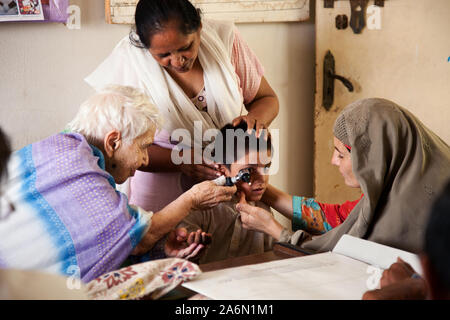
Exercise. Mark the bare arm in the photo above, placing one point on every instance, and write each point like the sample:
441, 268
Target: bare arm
203, 195
264, 106
161, 161
263, 109
279, 200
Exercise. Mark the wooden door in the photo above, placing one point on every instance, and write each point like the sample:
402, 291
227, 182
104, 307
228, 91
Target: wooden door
401, 55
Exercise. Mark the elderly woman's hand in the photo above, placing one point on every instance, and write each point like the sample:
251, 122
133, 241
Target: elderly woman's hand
180, 244
200, 171
207, 194
255, 218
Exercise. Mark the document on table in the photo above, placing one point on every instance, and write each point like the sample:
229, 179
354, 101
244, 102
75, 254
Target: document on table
330, 275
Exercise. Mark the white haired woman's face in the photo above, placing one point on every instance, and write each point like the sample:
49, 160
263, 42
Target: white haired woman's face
128, 158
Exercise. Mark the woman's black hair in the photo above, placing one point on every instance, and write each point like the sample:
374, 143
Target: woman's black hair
152, 15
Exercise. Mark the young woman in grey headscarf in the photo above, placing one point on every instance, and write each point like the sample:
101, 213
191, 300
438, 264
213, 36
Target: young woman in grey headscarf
400, 166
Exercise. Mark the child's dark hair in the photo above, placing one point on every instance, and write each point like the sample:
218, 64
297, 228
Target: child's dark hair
437, 237
151, 16
227, 143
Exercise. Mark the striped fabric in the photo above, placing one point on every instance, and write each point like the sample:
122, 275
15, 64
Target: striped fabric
68, 217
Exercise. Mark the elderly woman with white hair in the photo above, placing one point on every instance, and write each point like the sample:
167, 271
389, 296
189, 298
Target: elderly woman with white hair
68, 216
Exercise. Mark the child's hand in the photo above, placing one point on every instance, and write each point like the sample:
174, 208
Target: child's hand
181, 245
258, 219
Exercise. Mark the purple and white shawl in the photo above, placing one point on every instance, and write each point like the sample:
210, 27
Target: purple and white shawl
68, 217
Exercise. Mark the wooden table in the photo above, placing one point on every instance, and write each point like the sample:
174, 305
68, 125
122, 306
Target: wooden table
280, 251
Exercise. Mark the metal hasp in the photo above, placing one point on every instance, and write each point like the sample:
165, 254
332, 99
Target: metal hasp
341, 22
328, 81
357, 19
328, 4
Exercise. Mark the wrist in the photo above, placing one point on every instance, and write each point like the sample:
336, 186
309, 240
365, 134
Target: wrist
275, 230
182, 167
189, 199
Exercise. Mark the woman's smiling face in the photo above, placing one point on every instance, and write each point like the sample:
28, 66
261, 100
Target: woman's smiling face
342, 159
174, 50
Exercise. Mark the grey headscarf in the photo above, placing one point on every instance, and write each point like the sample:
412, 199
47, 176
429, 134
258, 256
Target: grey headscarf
401, 166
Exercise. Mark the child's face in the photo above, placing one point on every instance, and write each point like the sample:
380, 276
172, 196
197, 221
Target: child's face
258, 172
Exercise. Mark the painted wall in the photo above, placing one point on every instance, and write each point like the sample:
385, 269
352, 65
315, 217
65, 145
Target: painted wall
404, 60
43, 66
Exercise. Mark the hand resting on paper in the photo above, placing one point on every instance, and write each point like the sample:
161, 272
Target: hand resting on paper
409, 289
398, 283
182, 244
397, 272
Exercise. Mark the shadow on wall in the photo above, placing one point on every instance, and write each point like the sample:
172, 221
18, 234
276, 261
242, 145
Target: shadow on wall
301, 116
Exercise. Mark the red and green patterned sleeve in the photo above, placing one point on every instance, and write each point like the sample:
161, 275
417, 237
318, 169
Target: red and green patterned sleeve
317, 218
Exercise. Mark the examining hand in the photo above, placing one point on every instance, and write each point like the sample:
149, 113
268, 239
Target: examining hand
181, 245
258, 219
252, 123
207, 194
397, 272
200, 171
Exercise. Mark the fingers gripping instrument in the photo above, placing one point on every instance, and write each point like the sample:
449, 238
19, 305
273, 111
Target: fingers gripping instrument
243, 175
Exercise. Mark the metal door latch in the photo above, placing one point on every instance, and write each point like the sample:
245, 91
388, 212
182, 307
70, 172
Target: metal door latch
357, 19
328, 81
328, 4
341, 22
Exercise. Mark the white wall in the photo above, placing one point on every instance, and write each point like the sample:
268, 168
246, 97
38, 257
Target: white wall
43, 66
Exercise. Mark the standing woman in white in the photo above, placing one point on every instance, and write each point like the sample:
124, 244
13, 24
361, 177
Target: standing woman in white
194, 70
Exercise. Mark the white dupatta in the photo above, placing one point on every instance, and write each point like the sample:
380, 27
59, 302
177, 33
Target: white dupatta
132, 66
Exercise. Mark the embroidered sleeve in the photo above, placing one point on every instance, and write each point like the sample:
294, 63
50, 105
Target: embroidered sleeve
337, 213
308, 216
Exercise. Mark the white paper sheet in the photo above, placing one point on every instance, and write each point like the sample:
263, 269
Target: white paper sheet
374, 254
324, 276
320, 276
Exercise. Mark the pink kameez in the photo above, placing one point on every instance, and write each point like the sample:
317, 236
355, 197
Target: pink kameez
153, 191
